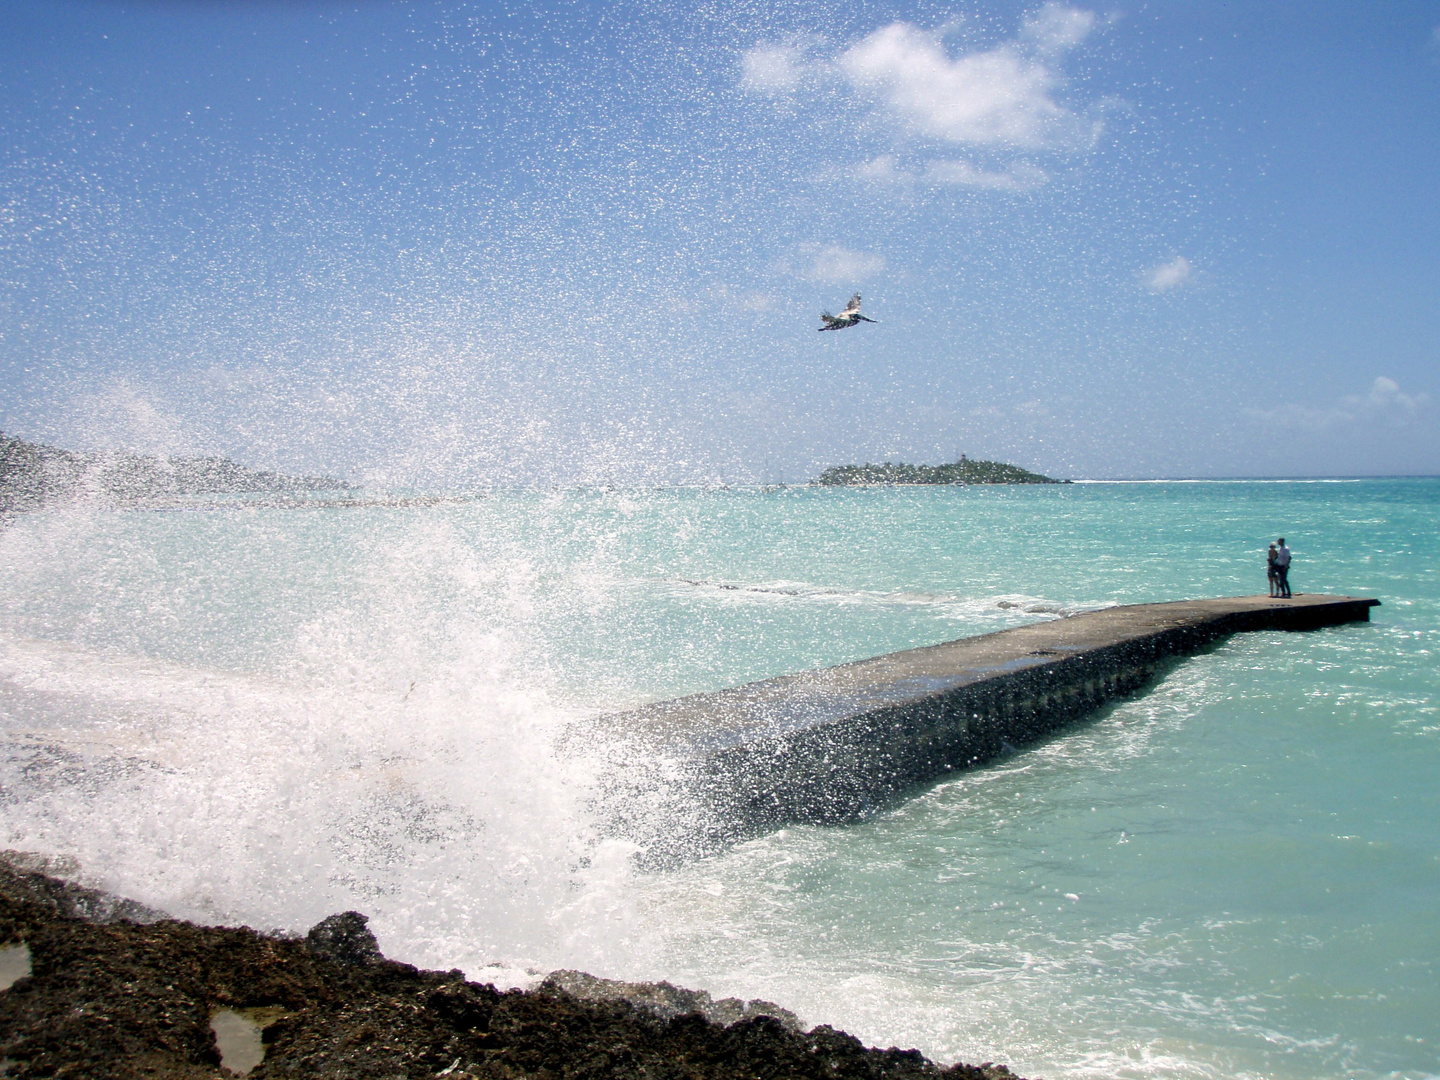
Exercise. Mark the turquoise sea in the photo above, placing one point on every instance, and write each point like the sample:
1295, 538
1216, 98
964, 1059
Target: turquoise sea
249, 713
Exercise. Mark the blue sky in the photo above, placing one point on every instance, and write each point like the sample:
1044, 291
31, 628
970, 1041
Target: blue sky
427, 244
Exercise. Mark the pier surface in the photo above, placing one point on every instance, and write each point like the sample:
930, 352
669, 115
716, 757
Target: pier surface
833, 744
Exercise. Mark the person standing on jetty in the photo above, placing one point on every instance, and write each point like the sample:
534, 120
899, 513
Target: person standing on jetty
1282, 568
1271, 573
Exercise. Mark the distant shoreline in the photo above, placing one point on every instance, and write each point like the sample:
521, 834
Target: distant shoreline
33, 474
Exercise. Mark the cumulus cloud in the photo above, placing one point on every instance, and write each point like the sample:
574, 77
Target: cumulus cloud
1170, 275
1055, 28
1385, 402
1386, 399
1002, 100
885, 170
836, 265
1003, 95
1021, 176
772, 69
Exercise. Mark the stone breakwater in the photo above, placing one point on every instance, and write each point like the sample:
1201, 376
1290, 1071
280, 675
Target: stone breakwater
832, 745
98, 987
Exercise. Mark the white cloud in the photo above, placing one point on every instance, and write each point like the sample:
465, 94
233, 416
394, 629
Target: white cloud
1002, 99
1021, 176
1386, 398
1004, 95
836, 265
752, 300
772, 69
1001, 96
885, 170
1055, 28
1385, 402
1170, 275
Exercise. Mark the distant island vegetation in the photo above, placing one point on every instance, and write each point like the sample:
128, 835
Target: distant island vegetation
964, 471
32, 474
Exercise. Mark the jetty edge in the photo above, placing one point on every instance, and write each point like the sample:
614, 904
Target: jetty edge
832, 745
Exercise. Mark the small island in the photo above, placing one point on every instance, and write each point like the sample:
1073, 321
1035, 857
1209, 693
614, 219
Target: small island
964, 471
32, 474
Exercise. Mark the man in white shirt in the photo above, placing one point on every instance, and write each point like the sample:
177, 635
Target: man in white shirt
1282, 567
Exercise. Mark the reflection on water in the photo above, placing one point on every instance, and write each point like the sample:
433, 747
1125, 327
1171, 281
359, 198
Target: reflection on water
240, 1036
14, 964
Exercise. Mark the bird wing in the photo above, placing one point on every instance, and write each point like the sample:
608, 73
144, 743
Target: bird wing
853, 307
828, 319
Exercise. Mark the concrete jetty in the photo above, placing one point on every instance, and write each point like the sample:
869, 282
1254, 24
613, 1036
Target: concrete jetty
829, 746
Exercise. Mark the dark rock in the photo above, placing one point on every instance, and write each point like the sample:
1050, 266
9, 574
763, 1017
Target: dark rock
345, 937
123, 1000
665, 1001
44, 878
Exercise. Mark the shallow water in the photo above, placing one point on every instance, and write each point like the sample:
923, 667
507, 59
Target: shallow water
264, 715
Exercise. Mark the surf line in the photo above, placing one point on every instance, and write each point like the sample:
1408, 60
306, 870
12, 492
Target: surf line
834, 745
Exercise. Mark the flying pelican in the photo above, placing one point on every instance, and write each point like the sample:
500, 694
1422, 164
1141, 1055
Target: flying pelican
847, 318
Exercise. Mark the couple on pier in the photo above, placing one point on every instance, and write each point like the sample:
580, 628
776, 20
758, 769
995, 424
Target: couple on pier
1277, 568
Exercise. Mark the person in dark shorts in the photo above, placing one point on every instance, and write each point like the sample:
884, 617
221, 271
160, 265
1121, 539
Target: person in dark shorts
1271, 572
1282, 568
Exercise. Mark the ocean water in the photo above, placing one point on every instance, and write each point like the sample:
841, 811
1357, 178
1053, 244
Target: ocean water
245, 713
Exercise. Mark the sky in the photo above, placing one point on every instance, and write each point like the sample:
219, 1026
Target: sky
470, 244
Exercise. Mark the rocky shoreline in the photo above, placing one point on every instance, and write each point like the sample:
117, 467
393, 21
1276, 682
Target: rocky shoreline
96, 986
